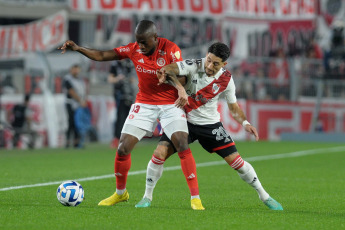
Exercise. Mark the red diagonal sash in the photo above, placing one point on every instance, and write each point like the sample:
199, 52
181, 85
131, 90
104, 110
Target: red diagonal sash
210, 91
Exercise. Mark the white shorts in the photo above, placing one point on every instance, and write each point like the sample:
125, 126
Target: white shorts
144, 117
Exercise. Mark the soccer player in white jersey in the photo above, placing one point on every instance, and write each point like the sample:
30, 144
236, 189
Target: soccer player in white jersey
205, 81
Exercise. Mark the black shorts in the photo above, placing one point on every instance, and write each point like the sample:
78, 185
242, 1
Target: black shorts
213, 138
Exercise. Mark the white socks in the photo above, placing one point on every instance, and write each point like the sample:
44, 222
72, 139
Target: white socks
248, 174
153, 174
120, 191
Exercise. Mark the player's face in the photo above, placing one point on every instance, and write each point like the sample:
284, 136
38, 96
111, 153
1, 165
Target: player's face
213, 64
75, 71
147, 43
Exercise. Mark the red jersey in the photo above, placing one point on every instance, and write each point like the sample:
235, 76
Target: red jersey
146, 66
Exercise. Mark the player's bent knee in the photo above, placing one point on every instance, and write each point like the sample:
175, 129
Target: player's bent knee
161, 152
231, 157
126, 144
180, 141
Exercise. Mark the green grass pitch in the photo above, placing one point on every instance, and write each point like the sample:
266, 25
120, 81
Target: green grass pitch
308, 181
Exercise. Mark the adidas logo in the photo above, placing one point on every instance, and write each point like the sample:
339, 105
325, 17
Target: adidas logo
118, 174
254, 180
191, 176
141, 60
149, 180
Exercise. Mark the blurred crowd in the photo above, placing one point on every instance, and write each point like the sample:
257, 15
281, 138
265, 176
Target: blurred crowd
296, 71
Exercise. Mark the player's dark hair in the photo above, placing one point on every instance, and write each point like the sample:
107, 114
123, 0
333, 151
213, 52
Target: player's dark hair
75, 66
220, 50
146, 26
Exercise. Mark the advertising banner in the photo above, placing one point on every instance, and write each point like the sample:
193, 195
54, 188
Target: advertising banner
42, 35
274, 9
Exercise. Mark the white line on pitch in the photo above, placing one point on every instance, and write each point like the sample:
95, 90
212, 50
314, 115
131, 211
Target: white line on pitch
206, 164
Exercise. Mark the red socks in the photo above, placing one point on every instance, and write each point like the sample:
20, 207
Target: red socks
189, 170
121, 168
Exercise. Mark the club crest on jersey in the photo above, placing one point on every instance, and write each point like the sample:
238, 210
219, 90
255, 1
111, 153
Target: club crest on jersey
215, 88
160, 61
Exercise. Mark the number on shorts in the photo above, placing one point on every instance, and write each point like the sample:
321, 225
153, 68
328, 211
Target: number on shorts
136, 108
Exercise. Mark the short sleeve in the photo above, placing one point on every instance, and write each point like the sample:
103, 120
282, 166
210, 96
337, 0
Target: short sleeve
175, 53
189, 66
124, 51
230, 92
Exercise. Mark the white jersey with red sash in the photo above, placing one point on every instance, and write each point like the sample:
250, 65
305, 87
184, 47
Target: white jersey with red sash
204, 92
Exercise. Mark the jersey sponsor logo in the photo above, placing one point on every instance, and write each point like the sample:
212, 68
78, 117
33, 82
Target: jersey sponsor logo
221, 134
192, 61
198, 61
161, 62
215, 88
189, 62
161, 52
199, 97
143, 70
141, 60
126, 49
181, 65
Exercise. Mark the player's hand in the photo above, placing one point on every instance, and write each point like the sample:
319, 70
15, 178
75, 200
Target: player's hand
68, 45
161, 75
252, 130
182, 99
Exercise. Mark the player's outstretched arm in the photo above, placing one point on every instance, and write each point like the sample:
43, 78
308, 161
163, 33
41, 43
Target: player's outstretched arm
96, 55
238, 114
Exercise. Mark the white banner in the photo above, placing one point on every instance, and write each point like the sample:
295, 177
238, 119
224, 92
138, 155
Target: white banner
274, 9
245, 37
42, 35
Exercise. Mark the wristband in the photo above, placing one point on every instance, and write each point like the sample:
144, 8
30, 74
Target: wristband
245, 122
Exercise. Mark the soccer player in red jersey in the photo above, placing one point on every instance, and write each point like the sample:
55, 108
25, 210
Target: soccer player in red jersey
206, 81
148, 54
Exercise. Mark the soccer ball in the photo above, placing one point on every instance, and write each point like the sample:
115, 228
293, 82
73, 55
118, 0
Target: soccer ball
70, 193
